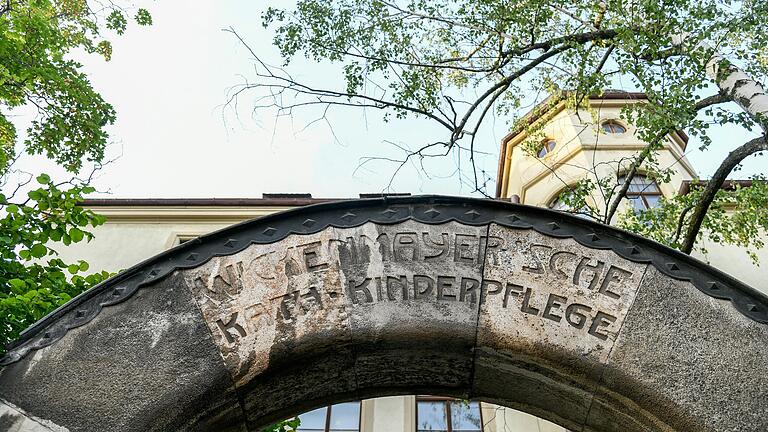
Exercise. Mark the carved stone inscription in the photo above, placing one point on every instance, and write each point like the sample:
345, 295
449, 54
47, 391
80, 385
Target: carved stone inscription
379, 278
549, 291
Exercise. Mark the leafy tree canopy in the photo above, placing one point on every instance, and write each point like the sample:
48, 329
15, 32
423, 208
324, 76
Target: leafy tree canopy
37, 38
456, 62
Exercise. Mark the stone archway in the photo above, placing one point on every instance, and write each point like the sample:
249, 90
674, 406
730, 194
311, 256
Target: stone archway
579, 323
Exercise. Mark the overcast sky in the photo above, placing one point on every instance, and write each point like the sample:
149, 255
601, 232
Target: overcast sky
174, 138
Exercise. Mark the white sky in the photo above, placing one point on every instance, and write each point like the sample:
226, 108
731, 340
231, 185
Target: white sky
168, 83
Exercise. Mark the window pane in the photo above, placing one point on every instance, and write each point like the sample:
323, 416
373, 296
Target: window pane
613, 127
637, 203
345, 417
313, 420
640, 184
542, 152
559, 205
652, 200
432, 416
465, 416
551, 145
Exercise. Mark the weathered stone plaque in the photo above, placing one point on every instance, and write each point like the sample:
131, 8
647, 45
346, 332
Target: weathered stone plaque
541, 290
373, 281
579, 323
521, 287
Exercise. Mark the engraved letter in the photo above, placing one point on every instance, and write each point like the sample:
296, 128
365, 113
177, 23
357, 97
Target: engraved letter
555, 260
312, 295
463, 248
574, 314
362, 288
422, 286
231, 324
493, 246
444, 283
508, 291
614, 274
525, 306
468, 286
595, 269
442, 248
484, 291
355, 251
288, 302
406, 247
311, 257
554, 302
602, 319
535, 253
393, 283
385, 248
229, 281
255, 314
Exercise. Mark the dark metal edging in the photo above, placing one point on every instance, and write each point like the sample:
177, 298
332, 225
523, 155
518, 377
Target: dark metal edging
388, 210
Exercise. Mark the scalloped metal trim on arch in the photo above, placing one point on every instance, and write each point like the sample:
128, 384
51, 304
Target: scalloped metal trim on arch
387, 210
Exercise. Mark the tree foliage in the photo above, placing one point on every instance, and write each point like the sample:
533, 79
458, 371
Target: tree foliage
37, 39
456, 63
737, 216
290, 425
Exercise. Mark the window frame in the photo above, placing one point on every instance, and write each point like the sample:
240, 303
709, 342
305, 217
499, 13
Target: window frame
329, 409
447, 406
643, 193
545, 147
611, 123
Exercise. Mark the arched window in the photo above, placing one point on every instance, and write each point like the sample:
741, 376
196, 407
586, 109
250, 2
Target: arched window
643, 192
546, 147
559, 204
613, 127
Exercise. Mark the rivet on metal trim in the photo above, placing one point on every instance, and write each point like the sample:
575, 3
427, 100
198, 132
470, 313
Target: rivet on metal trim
473, 214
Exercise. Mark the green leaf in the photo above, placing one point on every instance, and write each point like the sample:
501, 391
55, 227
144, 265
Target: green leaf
76, 235
143, 17
12, 208
17, 283
38, 251
43, 179
73, 268
83, 266
117, 22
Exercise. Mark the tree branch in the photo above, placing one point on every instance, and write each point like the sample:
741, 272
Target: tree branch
701, 104
713, 186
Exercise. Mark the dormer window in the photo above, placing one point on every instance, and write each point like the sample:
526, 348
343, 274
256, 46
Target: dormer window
547, 147
613, 127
